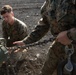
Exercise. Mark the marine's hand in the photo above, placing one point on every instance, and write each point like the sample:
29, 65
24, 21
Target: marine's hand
63, 39
20, 43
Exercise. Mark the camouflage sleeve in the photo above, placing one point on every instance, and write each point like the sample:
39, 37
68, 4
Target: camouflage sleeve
43, 8
4, 32
38, 33
40, 30
22, 31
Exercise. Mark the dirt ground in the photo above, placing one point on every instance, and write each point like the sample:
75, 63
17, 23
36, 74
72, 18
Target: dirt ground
29, 12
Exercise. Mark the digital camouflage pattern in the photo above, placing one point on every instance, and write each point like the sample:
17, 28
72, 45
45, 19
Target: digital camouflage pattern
14, 32
57, 15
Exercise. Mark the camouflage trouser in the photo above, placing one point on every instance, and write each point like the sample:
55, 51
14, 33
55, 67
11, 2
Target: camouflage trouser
55, 54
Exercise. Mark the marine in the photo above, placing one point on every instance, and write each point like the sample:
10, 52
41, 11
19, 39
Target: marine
58, 16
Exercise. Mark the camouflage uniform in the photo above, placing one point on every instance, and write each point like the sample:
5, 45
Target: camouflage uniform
57, 15
14, 32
